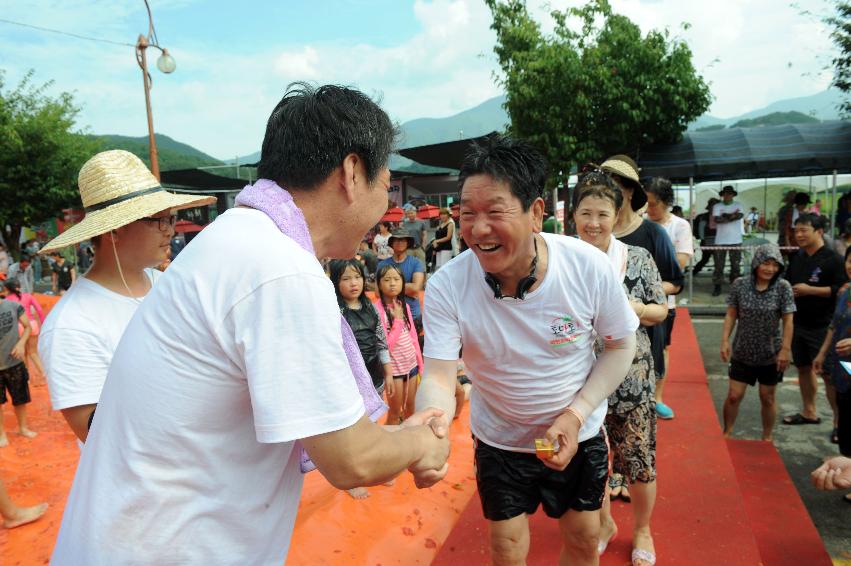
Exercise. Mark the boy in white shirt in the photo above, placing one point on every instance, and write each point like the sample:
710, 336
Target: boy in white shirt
130, 219
728, 216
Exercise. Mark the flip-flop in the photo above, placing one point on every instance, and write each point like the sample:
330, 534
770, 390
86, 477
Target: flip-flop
625, 496
799, 419
641, 554
615, 486
603, 545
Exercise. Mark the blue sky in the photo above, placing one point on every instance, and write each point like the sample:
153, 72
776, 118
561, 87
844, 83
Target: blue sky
422, 58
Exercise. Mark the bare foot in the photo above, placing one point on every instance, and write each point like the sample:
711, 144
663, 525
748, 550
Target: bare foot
608, 532
28, 433
4, 440
767, 439
25, 515
642, 540
358, 492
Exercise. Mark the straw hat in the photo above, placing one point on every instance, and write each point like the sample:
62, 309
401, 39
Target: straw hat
116, 189
625, 168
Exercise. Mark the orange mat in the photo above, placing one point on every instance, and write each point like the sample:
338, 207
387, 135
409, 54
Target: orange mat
397, 524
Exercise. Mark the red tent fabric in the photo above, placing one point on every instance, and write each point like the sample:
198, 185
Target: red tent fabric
428, 212
394, 214
183, 226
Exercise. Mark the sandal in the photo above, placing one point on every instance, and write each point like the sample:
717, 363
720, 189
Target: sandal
645, 555
799, 419
834, 436
615, 486
625, 496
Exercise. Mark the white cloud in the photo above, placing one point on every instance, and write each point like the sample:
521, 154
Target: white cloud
219, 98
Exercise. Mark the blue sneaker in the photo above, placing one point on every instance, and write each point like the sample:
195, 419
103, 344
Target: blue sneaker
663, 411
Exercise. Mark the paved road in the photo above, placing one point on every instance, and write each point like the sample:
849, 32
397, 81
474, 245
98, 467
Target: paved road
801, 447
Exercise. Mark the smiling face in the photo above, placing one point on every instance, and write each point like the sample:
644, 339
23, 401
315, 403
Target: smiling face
495, 226
766, 270
806, 237
595, 218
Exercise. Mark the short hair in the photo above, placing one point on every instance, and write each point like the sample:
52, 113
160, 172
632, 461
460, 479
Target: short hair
312, 130
814, 220
510, 160
26, 258
446, 211
55, 253
802, 198
597, 183
385, 224
662, 189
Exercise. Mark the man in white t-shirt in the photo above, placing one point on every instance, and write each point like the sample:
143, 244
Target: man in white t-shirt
229, 368
130, 219
728, 216
526, 307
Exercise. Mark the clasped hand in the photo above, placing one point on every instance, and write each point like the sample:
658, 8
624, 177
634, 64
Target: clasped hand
433, 465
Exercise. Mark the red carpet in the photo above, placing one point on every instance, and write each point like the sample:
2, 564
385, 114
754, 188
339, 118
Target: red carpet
699, 517
783, 529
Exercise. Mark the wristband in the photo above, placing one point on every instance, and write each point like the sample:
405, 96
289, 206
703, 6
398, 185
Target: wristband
576, 414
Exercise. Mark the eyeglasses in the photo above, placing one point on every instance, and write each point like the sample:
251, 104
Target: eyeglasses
164, 223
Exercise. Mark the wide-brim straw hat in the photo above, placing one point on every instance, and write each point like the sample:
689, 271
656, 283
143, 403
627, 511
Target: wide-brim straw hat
116, 189
624, 167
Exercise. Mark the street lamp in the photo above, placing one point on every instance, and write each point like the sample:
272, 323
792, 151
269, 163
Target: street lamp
165, 64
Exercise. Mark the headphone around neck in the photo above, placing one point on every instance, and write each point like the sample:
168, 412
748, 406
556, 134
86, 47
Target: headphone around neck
523, 285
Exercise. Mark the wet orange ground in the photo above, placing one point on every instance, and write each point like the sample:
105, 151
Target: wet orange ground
397, 524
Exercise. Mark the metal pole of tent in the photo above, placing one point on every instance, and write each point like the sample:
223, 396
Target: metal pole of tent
764, 206
691, 221
833, 206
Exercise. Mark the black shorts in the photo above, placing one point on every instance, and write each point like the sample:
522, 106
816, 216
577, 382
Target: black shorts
746, 373
16, 380
806, 342
669, 326
513, 483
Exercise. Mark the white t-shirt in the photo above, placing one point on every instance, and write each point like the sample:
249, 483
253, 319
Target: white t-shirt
192, 457
728, 233
79, 338
679, 230
527, 359
382, 246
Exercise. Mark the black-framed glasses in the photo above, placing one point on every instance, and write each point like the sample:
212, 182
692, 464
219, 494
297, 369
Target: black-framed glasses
164, 223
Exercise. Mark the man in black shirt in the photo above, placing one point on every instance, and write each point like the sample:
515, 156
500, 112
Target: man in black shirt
816, 273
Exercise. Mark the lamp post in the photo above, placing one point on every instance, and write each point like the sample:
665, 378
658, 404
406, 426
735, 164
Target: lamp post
166, 64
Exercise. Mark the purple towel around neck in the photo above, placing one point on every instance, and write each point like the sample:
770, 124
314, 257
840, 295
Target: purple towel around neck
267, 197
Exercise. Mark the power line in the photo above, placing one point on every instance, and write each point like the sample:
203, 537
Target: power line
69, 34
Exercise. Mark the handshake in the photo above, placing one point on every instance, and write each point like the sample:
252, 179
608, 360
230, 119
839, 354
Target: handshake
433, 440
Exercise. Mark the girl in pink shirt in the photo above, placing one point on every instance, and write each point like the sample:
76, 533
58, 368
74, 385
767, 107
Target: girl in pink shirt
36, 316
406, 359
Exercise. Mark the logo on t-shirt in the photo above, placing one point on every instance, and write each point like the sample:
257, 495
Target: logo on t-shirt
564, 331
815, 275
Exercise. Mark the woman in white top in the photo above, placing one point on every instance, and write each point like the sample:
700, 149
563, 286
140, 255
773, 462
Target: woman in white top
381, 241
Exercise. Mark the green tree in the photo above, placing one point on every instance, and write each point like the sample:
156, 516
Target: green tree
841, 36
582, 94
40, 156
